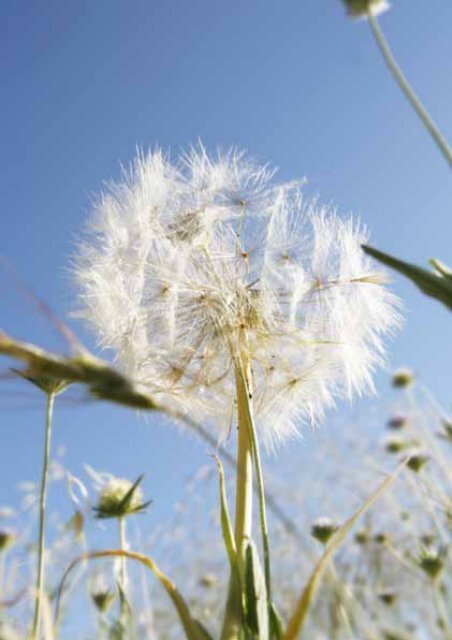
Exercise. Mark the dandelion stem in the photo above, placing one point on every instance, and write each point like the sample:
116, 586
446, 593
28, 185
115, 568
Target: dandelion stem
244, 487
243, 501
42, 517
260, 489
408, 91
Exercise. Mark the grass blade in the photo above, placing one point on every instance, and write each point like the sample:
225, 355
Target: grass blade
302, 608
193, 629
430, 283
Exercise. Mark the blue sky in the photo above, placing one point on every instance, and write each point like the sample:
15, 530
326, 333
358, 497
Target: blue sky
295, 83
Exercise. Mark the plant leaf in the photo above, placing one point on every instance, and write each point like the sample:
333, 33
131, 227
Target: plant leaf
276, 624
302, 608
124, 626
259, 486
430, 283
234, 608
192, 628
441, 268
256, 604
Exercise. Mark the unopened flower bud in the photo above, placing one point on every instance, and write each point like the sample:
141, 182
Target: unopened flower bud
417, 461
396, 422
395, 445
381, 538
402, 378
388, 596
432, 561
362, 537
7, 538
323, 530
446, 432
361, 8
102, 599
208, 580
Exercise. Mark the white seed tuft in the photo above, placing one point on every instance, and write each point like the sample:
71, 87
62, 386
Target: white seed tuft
185, 267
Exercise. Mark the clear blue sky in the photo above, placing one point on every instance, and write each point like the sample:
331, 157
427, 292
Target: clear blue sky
294, 82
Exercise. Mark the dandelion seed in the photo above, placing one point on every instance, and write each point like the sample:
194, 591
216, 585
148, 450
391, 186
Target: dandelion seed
188, 268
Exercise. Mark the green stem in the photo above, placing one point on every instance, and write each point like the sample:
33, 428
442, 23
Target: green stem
342, 608
443, 622
408, 91
244, 485
39, 589
260, 487
123, 547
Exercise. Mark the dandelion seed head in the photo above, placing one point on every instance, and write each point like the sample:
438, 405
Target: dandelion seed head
187, 267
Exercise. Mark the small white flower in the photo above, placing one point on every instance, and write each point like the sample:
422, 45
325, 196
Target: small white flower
186, 268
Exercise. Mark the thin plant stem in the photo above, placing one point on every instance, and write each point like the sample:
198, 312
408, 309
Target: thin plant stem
40, 576
342, 590
441, 610
123, 547
2, 574
404, 85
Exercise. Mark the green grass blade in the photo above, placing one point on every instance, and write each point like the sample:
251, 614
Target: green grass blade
256, 603
262, 503
226, 525
193, 629
302, 608
276, 624
430, 283
234, 608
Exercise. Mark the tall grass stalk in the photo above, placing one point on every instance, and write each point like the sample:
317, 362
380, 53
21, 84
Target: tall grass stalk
40, 575
405, 86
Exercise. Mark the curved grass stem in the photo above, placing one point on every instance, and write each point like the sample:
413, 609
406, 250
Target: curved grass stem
40, 575
406, 88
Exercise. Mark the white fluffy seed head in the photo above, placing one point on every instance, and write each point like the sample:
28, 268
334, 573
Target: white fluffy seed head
185, 267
